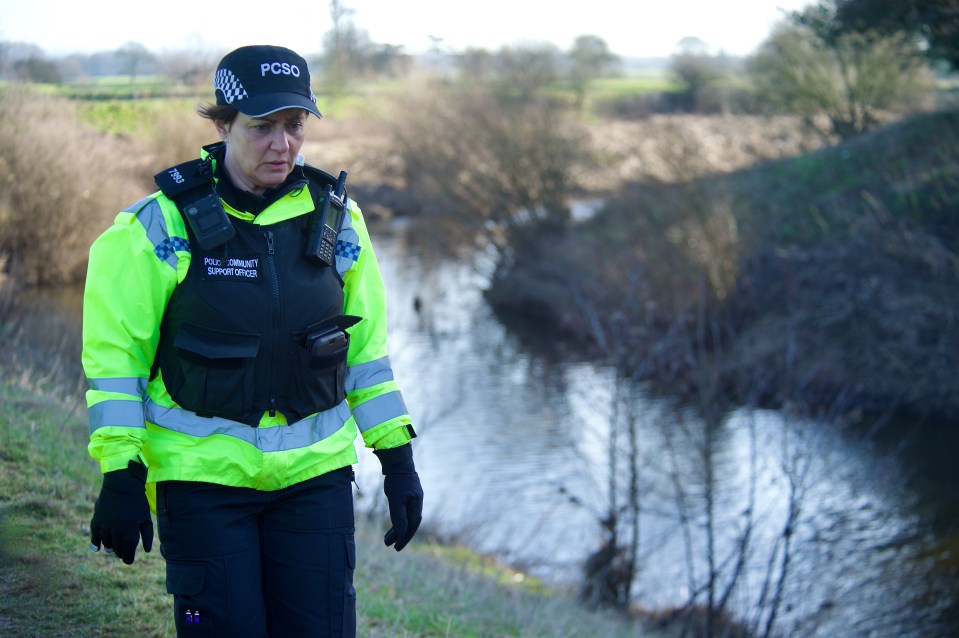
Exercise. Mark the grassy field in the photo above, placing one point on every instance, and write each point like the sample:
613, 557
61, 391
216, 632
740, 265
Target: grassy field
53, 586
637, 83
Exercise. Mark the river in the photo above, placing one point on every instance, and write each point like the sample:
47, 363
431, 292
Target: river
521, 455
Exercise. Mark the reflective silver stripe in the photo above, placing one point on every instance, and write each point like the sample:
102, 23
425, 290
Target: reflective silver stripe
137, 206
303, 433
348, 219
133, 386
368, 374
379, 410
128, 414
151, 217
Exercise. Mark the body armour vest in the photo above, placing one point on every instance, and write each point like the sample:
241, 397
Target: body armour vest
256, 328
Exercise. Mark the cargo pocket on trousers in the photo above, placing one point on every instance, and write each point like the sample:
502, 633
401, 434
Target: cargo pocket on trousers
349, 599
185, 582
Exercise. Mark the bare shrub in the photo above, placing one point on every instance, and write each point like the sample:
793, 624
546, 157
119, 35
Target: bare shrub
177, 137
641, 150
61, 183
487, 165
9, 310
682, 232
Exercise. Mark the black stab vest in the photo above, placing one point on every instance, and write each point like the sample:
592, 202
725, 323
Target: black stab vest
234, 341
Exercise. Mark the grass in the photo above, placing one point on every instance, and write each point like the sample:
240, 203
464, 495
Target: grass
906, 171
115, 104
53, 586
118, 114
122, 87
634, 84
132, 116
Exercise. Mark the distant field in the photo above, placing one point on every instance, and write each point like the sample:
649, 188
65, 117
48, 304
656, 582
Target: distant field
637, 82
121, 104
130, 116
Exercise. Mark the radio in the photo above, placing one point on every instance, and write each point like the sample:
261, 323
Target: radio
325, 223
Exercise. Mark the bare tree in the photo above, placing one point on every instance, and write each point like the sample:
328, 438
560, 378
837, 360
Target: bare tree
475, 64
687, 262
697, 70
611, 570
589, 58
336, 53
486, 166
526, 72
134, 56
842, 85
188, 67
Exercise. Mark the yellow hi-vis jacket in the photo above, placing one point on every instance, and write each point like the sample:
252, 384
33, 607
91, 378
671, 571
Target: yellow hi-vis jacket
134, 267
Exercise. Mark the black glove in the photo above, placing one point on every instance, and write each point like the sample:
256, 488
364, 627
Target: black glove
403, 492
121, 514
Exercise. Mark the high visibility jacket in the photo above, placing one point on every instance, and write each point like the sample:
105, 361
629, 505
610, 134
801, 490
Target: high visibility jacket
134, 268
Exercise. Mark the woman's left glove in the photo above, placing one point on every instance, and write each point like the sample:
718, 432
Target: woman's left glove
403, 492
121, 514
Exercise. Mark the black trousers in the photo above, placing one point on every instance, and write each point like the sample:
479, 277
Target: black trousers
247, 563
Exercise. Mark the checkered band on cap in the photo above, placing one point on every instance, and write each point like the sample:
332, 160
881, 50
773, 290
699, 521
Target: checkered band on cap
228, 84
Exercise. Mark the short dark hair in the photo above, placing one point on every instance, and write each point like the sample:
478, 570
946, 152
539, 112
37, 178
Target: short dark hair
218, 112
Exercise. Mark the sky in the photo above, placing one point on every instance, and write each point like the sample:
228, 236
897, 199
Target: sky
631, 28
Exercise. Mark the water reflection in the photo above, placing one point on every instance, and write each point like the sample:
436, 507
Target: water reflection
521, 456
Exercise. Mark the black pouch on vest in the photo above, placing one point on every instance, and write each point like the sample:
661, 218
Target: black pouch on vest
328, 342
214, 372
319, 373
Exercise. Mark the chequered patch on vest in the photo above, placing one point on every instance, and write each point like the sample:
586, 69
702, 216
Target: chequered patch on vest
169, 246
230, 85
348, 250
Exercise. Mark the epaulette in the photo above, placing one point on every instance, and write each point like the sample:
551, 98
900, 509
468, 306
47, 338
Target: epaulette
190, 186
321, 178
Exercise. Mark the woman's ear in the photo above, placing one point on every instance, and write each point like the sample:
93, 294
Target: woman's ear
221, 129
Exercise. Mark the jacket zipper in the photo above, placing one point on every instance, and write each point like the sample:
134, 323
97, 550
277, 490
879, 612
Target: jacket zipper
275, 283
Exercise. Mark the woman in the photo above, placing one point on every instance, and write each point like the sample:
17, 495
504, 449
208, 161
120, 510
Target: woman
234, 339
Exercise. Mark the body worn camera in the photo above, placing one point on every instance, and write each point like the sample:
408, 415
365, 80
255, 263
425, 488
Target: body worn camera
325, 223
209, 222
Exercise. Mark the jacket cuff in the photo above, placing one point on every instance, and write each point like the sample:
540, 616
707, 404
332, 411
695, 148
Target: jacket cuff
127, 481
396, 460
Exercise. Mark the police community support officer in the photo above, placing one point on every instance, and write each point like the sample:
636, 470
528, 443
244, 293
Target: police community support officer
222, 373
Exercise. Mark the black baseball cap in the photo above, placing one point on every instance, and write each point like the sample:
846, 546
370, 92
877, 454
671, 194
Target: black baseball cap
258, 80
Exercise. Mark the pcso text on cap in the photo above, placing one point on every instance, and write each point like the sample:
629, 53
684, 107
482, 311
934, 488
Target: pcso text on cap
259, 80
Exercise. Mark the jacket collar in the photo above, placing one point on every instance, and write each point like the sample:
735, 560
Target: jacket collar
242, 200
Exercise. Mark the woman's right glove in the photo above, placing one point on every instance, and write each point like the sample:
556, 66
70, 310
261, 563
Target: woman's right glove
403, 493
121, 514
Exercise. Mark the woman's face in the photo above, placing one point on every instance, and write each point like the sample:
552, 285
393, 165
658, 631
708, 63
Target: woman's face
261, 151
